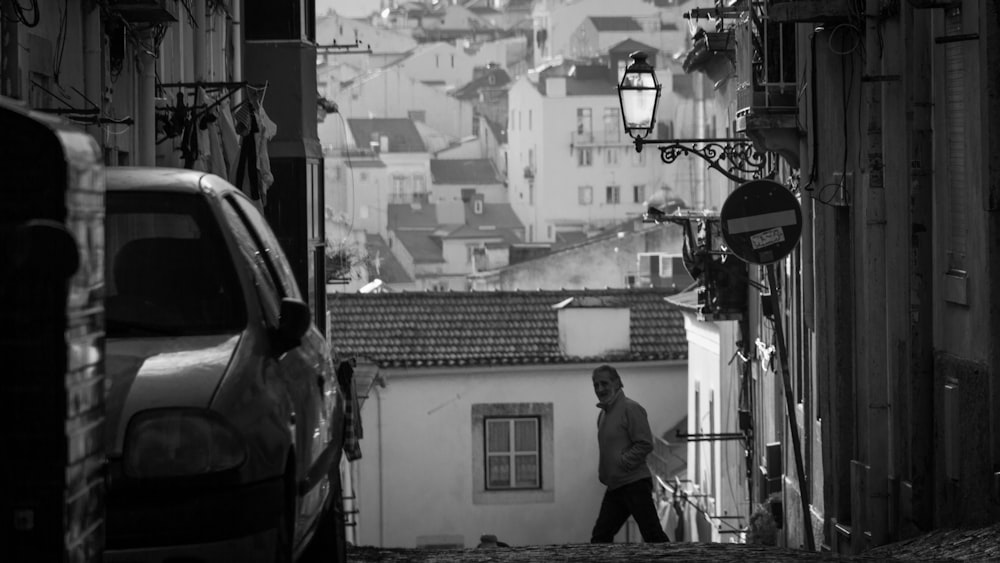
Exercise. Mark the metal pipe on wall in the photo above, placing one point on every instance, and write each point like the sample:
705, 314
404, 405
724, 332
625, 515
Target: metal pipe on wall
237, 38
200, 29
146, 108
93, 72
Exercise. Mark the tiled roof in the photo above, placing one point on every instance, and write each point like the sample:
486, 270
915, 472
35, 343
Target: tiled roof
422, 246
422, 329
404, 216
582, 79
615, 23
466, 171
631, 45
402, 133
499, 215
471, 89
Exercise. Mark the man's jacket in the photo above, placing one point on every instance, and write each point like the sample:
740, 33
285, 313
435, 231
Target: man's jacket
625, 440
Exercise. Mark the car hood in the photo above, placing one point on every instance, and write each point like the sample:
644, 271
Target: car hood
147, 373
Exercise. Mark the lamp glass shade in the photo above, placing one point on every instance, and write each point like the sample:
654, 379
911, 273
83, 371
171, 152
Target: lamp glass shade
638, 93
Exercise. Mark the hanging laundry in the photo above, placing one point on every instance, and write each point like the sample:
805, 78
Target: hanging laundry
202, 145
268, 129
230, 142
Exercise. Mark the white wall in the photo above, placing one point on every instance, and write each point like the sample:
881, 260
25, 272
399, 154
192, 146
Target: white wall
703, 370
418, 436
558, 175
440, 62
391, 92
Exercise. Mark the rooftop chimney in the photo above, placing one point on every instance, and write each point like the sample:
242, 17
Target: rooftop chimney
593, 326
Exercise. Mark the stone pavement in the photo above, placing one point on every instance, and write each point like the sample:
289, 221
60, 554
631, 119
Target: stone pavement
981, 544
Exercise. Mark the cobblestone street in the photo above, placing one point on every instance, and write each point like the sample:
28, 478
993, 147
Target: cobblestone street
981, 544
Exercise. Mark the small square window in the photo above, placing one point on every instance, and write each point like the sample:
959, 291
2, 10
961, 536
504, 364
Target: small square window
613, 194
512, 453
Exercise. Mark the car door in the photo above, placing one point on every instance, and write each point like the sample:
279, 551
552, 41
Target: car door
306, 370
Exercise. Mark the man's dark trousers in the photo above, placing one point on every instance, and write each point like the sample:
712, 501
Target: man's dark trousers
635, 499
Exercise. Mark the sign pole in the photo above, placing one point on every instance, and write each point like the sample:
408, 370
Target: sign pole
779, 335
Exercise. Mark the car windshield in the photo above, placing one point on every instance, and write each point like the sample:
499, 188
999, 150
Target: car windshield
167, 271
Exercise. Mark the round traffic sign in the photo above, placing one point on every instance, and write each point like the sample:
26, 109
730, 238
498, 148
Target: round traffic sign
761, 221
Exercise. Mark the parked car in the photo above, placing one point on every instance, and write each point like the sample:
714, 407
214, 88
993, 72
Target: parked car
224, 423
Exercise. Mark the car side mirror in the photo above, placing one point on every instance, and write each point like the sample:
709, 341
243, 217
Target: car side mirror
293, 322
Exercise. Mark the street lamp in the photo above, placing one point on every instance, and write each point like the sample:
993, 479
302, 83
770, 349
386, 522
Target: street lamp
639, 94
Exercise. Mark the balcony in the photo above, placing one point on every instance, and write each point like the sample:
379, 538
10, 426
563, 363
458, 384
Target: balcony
714, 53
766, 109
806, 11
145, 11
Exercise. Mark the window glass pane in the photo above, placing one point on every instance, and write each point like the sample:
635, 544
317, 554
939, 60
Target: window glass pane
276, 261
267, 290
497, 436
526, 470
168, 269
525, 435
498, 472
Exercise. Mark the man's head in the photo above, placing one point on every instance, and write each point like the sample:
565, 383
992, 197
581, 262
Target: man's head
607, 382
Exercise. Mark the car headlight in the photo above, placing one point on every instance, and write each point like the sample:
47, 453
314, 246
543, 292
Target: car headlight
179, 442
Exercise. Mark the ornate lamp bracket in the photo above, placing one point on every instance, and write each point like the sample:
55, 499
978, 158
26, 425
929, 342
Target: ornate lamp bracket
735, 158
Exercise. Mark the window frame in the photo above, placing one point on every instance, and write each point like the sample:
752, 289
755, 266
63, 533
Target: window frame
512, 453
545, 493
613, 195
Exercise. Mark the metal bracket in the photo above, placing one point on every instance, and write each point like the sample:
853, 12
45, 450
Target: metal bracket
729, 156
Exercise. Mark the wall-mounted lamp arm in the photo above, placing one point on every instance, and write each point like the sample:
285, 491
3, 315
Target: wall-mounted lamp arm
729, 156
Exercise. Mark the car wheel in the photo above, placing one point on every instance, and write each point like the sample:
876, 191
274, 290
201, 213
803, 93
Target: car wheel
329, 544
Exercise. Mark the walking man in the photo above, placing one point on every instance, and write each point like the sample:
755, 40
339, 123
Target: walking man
624, 439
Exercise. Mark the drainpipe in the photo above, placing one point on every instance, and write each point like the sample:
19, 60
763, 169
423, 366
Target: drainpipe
10, 82
237, 11
876, 445
199, 40
93, 74
146, 107
381, 498
699, 133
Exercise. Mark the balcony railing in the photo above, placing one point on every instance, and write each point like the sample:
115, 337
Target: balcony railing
419, 197
819, 11
602, 138
766, 106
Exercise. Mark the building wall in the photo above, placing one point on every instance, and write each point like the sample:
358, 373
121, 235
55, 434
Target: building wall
562, 20
440, 62
333, 28
555, 198
420, 424
716, 468
601, 262
506, 52
492, 193
391, 92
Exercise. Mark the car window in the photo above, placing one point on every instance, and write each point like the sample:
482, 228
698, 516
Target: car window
168, 271
275, 253
267, 288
